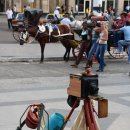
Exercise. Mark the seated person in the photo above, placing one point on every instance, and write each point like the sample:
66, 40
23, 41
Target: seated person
117, 25
126, 41
120, 22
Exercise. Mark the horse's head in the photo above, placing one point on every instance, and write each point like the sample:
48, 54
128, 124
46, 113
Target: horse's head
24, 36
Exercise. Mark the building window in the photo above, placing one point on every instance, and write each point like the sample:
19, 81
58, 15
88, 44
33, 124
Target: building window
109, 3
81, 6
126, 4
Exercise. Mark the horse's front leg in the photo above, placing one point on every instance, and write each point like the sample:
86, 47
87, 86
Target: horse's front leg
65, 55
42, 52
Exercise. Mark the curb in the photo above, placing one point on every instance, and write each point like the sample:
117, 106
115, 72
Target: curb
34, 59
23, 59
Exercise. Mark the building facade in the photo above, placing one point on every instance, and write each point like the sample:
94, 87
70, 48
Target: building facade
49, 5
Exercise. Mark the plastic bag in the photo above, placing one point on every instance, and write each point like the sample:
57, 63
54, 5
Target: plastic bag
80, 123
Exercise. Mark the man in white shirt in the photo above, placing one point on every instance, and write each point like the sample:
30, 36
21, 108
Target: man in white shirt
66, 20
9, 14
57, 13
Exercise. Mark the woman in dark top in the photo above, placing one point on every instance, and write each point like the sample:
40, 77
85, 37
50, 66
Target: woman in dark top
85, 43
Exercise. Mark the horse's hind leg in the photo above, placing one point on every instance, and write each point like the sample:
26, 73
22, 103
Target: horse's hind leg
68, 53
42, 52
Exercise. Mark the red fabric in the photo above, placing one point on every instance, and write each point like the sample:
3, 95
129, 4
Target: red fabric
97, 18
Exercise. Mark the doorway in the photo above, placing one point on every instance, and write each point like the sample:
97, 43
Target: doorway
2, 5
103, 6
87, 5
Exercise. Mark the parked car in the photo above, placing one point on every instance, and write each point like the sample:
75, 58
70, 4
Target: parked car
51, 18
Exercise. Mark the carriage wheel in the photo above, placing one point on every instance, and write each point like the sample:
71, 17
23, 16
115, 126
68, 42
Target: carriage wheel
16, 35
113, 52
75, 52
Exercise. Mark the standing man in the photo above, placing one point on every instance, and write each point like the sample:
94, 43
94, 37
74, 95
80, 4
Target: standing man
87, 13
9, 14
76, 9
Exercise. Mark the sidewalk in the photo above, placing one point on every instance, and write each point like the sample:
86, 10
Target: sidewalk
31, 52
3, 19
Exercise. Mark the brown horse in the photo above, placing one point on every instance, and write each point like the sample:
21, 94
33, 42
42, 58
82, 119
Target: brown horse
48, 34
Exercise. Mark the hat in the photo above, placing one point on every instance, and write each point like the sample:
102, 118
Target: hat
57, 7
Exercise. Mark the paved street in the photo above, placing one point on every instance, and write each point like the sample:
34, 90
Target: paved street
24, 83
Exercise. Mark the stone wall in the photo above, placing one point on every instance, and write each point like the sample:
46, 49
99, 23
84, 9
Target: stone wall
120, 6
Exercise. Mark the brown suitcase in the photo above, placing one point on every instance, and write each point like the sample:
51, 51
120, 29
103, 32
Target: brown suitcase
102, 108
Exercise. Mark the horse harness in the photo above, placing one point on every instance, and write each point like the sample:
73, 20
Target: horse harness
41, 30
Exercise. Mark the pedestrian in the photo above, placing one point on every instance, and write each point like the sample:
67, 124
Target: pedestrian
102, 46
126, 41
24, 8
66, 20
76, 9
63, 9
9, 14
57, 14
87, 13
72, 12
15, 11
95, 36
127, 8
85, 43
110, 12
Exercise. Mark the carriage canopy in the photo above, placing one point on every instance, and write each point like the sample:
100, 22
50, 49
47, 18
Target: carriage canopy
33, 15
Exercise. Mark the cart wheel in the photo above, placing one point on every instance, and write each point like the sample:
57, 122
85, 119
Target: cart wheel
16, 35
75, 52
113, 52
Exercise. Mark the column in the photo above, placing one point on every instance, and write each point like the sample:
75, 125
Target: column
105, 4
71, 4
45, 6
119, 4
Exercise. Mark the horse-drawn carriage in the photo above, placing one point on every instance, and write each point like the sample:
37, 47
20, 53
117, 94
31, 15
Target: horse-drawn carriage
62, 34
